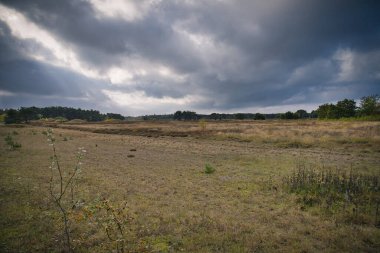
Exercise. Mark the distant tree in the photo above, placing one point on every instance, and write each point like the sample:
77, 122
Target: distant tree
313, 114
289, 115
327, 111
115, 116
240, 116
177, 115
189, 115
185, 115
215, 116
369, 105
346, 108
259, 116
12, 116
302, 114
28, 113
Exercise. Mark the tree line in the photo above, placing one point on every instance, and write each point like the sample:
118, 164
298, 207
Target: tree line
346, 108
369, 106
189, 115
26, 114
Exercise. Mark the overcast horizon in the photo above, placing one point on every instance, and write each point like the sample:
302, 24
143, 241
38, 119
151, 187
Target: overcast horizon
157, 57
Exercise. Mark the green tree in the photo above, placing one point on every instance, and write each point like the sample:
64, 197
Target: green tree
177, 115
13, 116
259, 116
28, 113
239, 116
346, 108
327, 111
313, 114
289, 115
369, 105
115, 116
302, 114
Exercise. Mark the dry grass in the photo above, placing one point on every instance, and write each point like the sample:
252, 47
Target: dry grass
302, 133
172, 204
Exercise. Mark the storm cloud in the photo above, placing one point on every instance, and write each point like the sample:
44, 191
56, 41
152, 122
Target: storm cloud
151, 56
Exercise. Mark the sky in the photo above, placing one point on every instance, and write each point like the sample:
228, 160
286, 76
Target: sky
143, 57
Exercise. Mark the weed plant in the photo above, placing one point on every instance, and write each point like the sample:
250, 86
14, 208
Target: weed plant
350, 196
61, 188
12, 145
113, 219
209, 169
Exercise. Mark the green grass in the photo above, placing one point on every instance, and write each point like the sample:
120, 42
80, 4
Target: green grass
209, 169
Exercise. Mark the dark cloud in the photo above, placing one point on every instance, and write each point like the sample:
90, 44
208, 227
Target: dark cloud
28, 82
236, 54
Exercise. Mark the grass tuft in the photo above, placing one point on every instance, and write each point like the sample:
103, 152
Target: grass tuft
209, 169
11, 143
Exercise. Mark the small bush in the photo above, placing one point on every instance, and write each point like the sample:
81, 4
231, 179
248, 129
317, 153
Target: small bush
16, 145
15, 132
209, 169
11, 143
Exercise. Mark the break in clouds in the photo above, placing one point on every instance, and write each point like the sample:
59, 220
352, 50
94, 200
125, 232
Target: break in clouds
150, 56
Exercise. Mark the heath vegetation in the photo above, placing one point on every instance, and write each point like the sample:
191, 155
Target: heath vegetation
176, 186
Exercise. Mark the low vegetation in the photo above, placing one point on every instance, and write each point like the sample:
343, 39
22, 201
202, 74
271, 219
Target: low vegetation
349, 196
235, 186
209, 169
11, 143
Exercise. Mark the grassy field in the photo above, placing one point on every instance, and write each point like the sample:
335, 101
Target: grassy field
148, 181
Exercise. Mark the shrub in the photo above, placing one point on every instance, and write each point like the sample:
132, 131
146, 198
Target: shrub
209, 169
112, 218
11, 143
61, 188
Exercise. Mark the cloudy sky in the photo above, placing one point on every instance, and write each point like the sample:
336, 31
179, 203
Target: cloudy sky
149, 56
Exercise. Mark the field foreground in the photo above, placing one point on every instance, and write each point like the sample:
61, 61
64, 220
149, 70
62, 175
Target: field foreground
149, 179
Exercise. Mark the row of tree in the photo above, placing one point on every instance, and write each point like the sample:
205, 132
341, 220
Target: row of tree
189, 115
346, 108
369, 106
26, 114
300, 114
